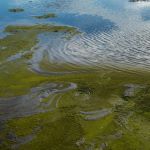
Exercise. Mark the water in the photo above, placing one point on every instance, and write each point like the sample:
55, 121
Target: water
115, 32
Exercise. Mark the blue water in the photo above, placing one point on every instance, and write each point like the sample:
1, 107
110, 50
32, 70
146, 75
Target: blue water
115, 31
86, 22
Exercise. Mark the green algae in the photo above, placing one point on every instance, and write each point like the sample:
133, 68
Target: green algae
15, 76
55, 125
127, 127
16, 79
16, 43
46, 16
23, 38
39, 28
65, 137
98, 132
134, 136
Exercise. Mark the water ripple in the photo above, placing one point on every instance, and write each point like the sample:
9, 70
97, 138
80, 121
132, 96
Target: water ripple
121, 47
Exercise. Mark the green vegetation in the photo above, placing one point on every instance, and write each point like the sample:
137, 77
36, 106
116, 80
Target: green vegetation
46, 16
15, 10
39, 28
127, 127
124, 128
16, 73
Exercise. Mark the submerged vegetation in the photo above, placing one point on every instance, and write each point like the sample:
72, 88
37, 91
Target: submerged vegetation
15, 10
46, 16
94, 114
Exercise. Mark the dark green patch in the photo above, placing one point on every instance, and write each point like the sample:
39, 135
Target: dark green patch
46, 16
15, 10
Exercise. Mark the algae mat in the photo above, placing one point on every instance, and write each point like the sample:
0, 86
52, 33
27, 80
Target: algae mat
67, 84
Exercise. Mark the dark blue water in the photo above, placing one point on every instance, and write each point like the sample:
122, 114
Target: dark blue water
86, 23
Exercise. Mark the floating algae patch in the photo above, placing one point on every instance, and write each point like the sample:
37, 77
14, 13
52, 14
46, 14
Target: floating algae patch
15, 10
46, 16
39, 28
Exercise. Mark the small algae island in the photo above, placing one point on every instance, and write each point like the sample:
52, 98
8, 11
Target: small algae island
52, 95
45, 16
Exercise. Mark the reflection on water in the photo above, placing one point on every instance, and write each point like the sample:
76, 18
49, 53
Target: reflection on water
86, 23
116, 32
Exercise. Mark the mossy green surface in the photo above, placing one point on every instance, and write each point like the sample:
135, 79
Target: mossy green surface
65, 128
36, 29
15, 76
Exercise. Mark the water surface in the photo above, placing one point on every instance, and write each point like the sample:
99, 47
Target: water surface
114, 32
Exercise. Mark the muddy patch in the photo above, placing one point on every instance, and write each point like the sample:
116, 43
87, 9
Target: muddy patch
95, 115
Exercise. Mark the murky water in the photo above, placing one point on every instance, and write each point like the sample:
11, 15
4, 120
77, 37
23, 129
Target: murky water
31, 103
115, 32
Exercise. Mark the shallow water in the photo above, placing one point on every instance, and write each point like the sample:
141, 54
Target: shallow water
48, 98
115, 32
31, 103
